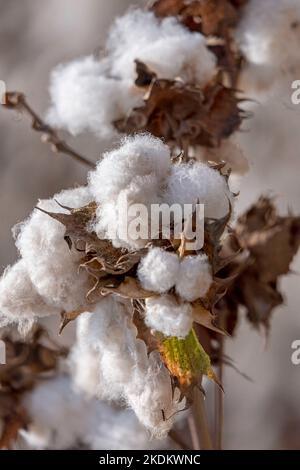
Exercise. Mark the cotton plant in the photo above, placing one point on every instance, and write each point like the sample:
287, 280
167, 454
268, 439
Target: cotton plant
154, 72
73, 266
151, 309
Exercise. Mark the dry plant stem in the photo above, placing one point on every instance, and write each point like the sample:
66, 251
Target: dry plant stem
17, 101
219, 403
201, 438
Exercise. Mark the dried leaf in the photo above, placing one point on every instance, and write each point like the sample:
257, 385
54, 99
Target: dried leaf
183, 113
205, 318
130, 288
67, 317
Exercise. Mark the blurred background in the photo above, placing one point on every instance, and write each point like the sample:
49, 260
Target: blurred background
34, 37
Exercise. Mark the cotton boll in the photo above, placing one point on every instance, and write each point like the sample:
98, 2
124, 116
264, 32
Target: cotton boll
266, 28
150, 395
84, 98
195, 277
52, 267
109, 334
158, 270
19, 301
138, 155
127, 220
165, 46
164, 314
198, 183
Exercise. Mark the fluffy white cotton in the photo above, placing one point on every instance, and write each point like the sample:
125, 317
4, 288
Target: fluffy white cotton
52, 267
151, 396
84, 98
125, 372
168, 316
195, 277
269, 37
109, 335
134, 173
167, 47
158, 270
70, 420
126, 221
198, 183
19, 301
138, 155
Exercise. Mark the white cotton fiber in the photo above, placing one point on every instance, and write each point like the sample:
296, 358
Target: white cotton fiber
84, 98
151, 396
269, 36
125, 372
62, 418
166, 46
19, 301
198, 183
158, 270
132, 174
168, 316
195, 277
126, 221
52, 267
138, 155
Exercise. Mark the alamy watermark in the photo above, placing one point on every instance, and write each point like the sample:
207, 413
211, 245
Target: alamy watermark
2, 352
158, 221
295, 357
295, 97
2, 92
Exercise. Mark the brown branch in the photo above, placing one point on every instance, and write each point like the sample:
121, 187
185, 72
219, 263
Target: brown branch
17, 101
199, 429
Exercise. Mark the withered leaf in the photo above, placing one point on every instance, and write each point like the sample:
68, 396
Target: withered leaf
183, 113
130, 288
67, 317
203, 317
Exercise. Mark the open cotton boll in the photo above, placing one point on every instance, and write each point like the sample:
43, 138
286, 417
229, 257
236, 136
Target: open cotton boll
198, 183
85, 99
109, 334
269, 35
164, 45
137, 155
19, 301
150, 392
158, 270
51, 265
169, 317
195, 277
126, 221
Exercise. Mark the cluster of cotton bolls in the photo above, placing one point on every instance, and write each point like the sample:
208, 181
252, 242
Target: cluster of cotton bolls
45, 280
140, 172
269, 35
62, 417
159, 271
89, 94
108, 360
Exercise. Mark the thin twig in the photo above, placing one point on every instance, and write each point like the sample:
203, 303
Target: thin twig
17, 101
198, 424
